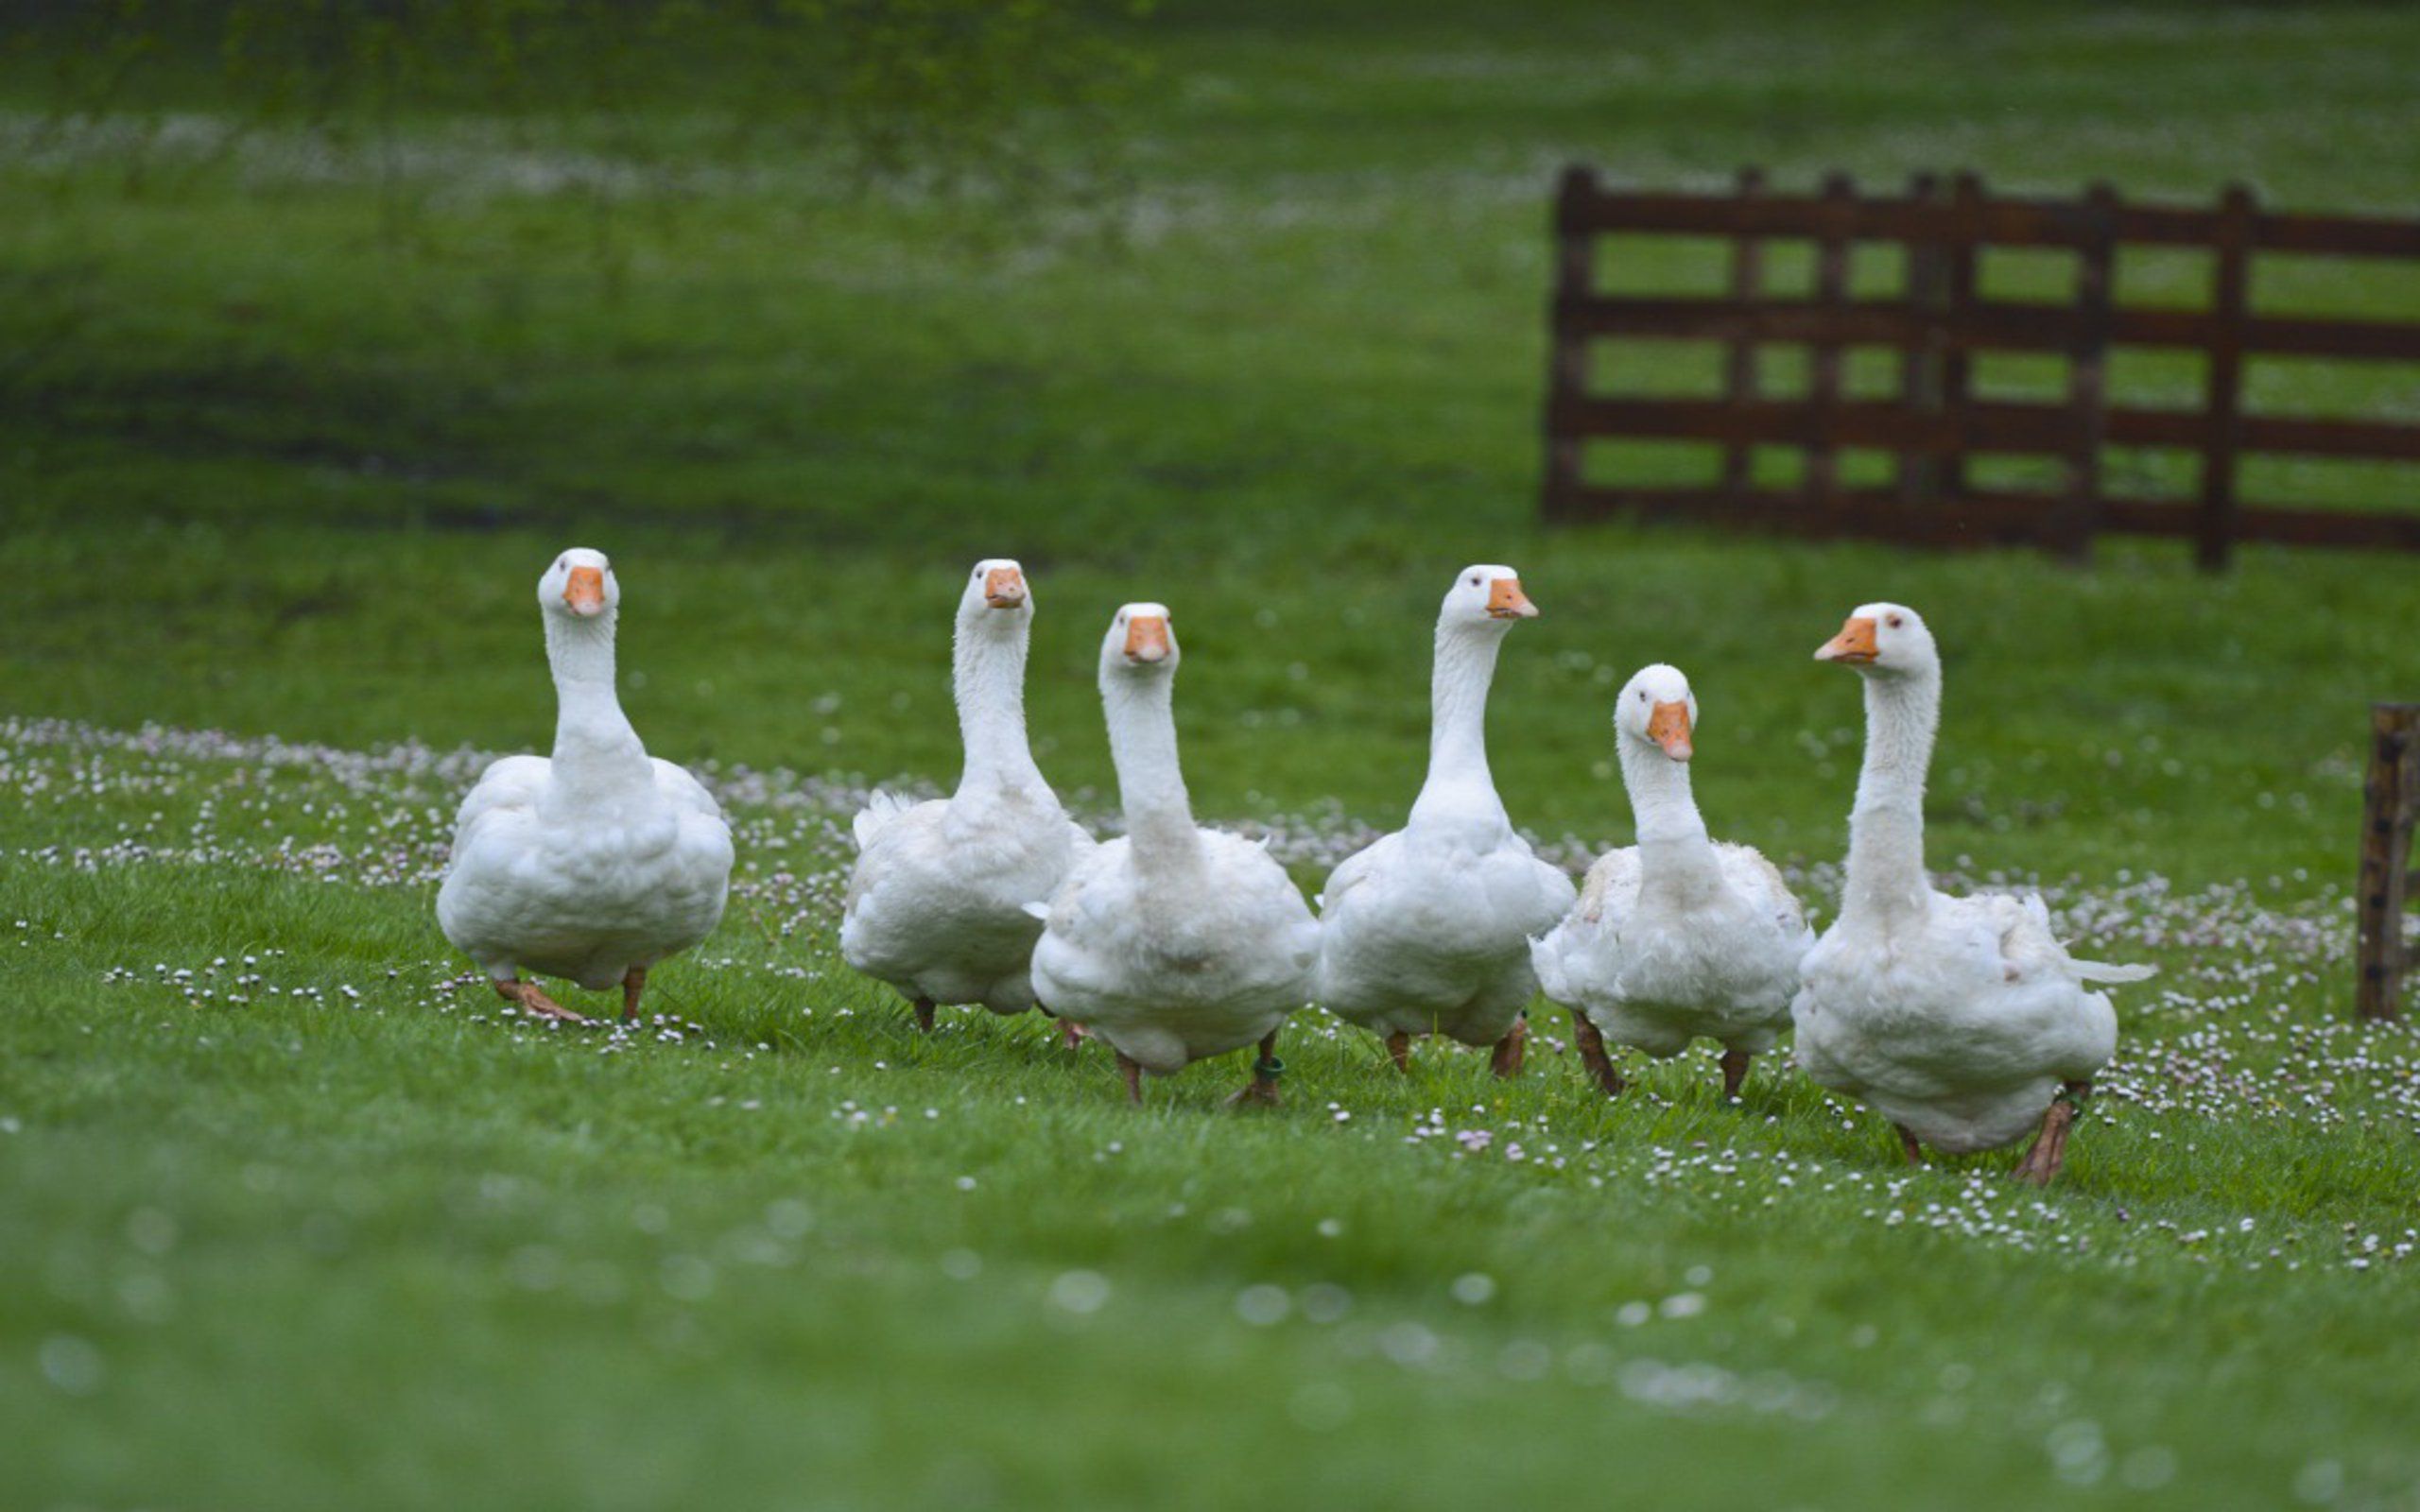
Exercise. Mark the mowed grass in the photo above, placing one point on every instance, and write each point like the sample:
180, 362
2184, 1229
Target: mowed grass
297, 1217
267, 469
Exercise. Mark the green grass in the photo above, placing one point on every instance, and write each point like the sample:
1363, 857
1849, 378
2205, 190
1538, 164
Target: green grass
268, 469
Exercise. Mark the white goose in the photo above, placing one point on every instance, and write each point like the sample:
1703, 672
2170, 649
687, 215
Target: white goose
1675, 938
1427, 930
1173, 942
599, 862
936, 905
1961, 1020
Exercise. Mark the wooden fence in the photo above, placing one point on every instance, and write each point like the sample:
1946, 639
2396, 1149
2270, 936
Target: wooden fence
1939, 322
2390, 801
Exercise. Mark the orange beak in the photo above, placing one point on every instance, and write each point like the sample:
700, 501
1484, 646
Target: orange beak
1146, 639
1669, 727
1505, 601
585, 591
1004, 588
1853, 646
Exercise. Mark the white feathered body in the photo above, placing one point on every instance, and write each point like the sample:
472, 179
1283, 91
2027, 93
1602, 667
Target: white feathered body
1655, 967
1183, 964
1427, 930
548, 880
937, 902
1960, 1021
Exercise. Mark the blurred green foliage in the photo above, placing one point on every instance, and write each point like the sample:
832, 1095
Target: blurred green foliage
938, 96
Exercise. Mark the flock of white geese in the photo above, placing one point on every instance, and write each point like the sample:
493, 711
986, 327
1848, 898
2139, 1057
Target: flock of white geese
1962, 1020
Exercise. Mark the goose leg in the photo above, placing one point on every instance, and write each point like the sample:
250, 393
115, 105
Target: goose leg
1505, 1063
925, 1014
1261, 1091
1399, 1048
1131, 1070
1072, 1032
2041, 1164
1907, 1145
632, 985
1735, 1072
1593, 1055
534, 1003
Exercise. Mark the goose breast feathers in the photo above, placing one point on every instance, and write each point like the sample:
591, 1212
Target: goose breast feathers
1431, 934
1169, 970
1961, 1026
937, 902
1654, 970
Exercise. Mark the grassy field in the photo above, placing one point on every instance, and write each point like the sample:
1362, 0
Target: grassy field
290, 1220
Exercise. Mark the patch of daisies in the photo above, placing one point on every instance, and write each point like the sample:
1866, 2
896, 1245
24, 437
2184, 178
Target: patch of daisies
2218, 1040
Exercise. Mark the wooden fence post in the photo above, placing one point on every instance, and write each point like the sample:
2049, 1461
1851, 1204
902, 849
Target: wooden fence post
1957, 301
1920, 366
2230, 295
2079, 516
1746, 282
1824, 363
2388, 800
1567, 353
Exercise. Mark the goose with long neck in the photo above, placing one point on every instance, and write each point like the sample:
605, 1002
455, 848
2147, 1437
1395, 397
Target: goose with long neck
599, 861
1173, 942
1962, 1020
936, 903
1677, 938
1427, 931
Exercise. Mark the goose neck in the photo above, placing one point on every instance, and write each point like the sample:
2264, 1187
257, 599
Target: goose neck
1886, 861
987, 669
1459, 782
595, 750
1150, 783
1676, 854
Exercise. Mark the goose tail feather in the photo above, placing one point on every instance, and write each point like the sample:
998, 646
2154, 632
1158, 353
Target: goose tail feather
2103, 971
879, 815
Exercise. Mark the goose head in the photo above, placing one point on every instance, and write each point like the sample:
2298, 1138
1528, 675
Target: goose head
1888, 640
1656, 709
1485, 595
996, 595
579, 586
1139, 643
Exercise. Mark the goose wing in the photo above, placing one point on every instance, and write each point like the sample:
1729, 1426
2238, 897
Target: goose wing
683, 791
510, 784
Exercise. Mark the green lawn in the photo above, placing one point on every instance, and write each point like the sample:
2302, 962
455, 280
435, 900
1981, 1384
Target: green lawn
312, 1226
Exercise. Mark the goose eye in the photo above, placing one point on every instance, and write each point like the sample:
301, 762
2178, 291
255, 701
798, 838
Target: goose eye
1473, 581
1894, 622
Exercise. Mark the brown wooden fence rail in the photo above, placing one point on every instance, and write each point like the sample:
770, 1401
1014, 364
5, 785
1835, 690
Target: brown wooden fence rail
1938, 322
2391, 801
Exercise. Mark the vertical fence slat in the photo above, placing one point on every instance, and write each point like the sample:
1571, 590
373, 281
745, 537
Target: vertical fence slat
2388, 799
1958, 260
1824, 360
1568, 355
1920, 365
2230, 296
2078, 515
1739, 379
